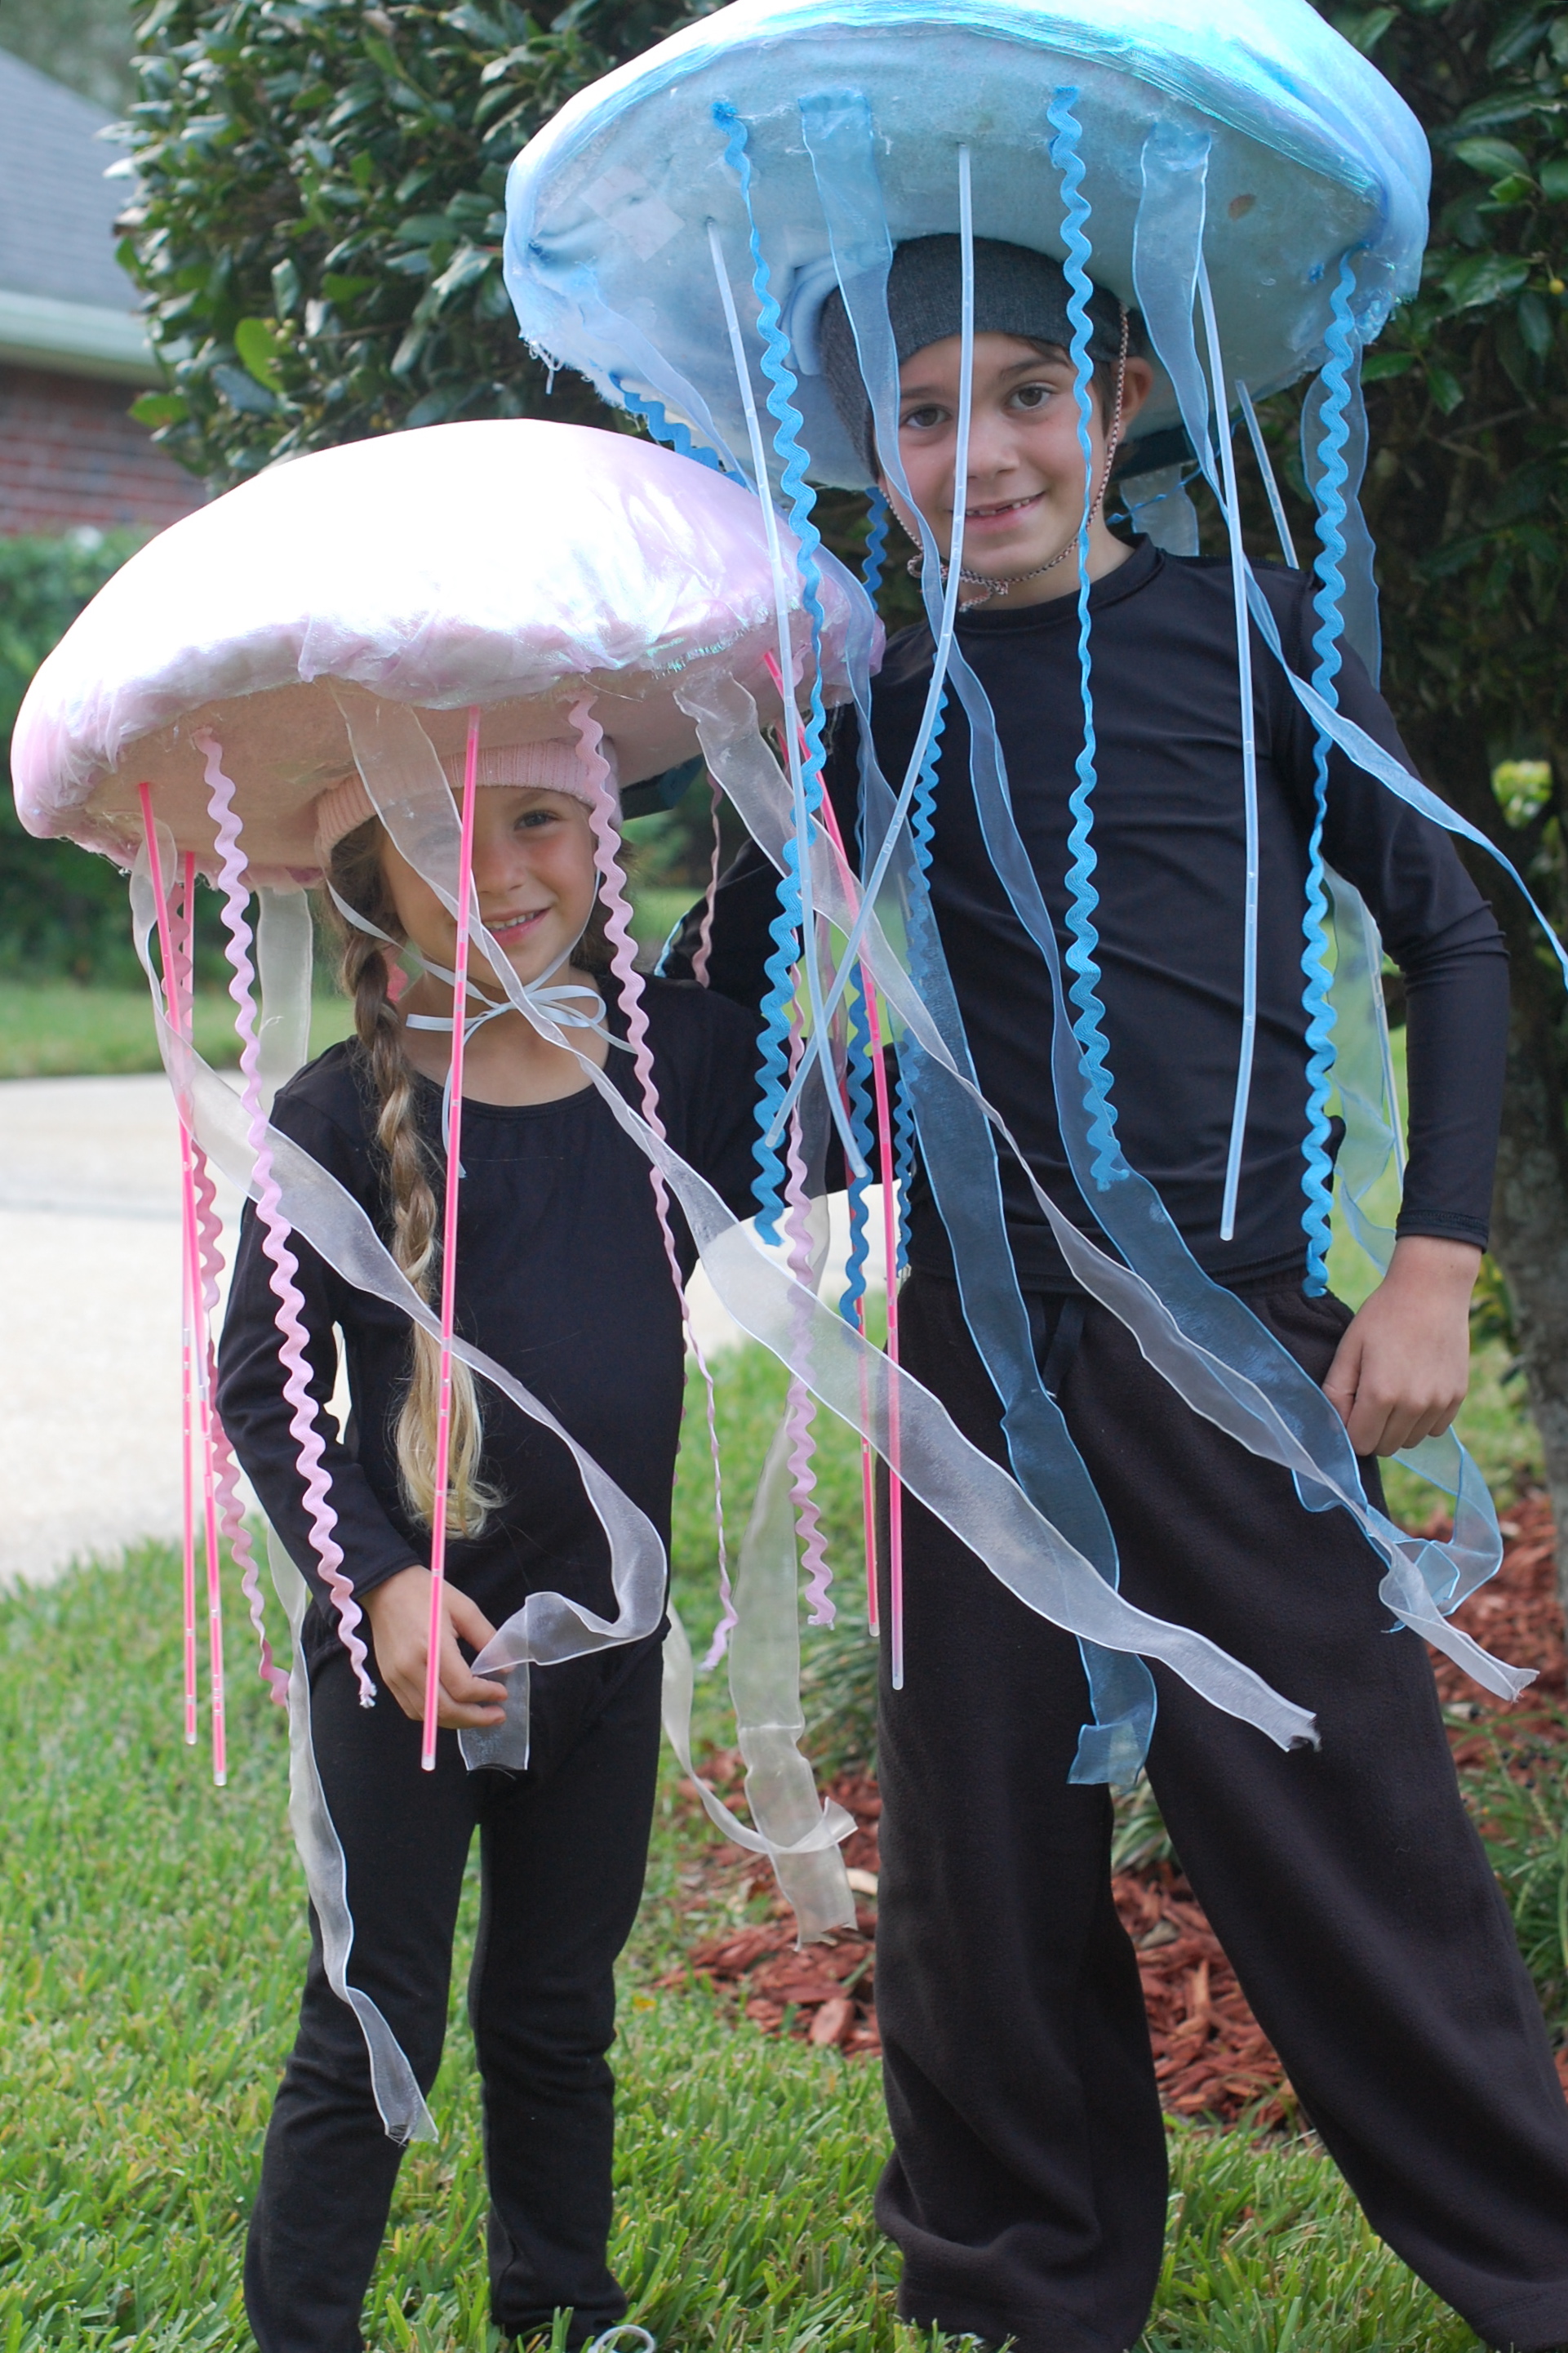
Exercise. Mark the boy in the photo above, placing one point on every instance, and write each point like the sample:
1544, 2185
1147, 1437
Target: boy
1027, 2185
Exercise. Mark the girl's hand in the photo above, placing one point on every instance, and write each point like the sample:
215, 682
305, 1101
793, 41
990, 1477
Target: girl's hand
1402, 1368
399, 1614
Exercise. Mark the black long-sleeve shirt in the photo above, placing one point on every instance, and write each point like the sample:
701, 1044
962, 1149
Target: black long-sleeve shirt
1168, 834
562, 1277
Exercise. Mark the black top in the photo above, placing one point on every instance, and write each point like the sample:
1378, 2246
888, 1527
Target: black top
562, 1277
1168, 833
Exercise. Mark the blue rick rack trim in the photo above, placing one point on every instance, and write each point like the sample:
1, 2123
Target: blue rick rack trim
666, 428
922, 822
1317, 1175
787, 929
875, 564
857, 1080
1082, 896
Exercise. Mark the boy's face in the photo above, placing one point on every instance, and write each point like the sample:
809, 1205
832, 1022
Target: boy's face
1022, 500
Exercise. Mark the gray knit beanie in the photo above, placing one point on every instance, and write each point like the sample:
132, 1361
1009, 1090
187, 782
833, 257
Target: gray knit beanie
1017, 292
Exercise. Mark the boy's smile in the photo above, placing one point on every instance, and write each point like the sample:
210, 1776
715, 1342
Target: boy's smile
1025, 485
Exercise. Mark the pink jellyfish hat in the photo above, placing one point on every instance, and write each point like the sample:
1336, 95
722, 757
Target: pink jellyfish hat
511, 566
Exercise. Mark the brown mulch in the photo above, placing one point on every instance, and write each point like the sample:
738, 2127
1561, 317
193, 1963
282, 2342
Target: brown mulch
1517, 1616
1211, 2056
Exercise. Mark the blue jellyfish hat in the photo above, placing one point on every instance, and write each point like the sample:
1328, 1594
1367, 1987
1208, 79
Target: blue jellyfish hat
1247, 182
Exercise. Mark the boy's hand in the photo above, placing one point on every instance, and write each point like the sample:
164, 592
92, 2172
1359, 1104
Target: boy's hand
1402, 1369
399, 1614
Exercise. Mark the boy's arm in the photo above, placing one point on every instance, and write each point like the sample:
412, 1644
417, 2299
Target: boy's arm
1402, 1368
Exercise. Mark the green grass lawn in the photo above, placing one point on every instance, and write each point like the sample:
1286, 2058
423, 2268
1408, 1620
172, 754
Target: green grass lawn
59, 1030
154, 1938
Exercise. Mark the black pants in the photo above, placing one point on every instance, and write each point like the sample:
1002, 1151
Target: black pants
1027, 2187
563, 1850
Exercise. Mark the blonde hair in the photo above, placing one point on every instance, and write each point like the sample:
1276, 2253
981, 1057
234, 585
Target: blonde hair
357, 875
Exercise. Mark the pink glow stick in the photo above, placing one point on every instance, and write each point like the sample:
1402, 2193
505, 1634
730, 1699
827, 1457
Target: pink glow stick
602, 816
188, 1482
203, 1304
195, 1350
801, 1408
891, 1251
225, 1471
173, 1005
449, 1244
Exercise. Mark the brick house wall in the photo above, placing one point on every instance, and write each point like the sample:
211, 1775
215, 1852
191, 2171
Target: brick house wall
71, 454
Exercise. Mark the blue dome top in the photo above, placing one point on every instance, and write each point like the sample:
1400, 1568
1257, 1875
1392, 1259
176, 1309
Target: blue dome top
608, 252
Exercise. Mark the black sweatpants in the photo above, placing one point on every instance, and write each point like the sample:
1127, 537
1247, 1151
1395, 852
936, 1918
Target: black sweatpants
563, 1851
1028, 2182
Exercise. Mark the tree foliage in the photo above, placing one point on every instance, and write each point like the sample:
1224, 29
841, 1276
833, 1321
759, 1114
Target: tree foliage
318, 220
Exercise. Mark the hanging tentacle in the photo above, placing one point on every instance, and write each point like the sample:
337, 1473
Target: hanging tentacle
1082, 896
1331, 474
876, 556
806, 768
292, 1335
705, 929
623, 964
1265, 467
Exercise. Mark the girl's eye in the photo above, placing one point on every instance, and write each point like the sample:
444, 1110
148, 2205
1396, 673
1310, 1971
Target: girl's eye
923, 419
536, 818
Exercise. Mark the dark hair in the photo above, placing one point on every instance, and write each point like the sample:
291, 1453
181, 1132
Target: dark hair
1017, 292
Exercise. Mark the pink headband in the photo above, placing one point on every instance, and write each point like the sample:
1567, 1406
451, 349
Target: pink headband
551, 767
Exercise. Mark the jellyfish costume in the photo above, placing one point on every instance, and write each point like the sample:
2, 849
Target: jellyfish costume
1245, 181
380, 620
1253, 187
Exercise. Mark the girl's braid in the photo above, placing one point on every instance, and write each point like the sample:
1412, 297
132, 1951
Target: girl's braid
366, 974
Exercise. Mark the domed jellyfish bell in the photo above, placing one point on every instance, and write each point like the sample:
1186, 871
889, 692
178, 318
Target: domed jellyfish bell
382, 621
1239, 176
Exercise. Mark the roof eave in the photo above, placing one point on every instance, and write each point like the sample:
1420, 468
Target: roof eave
75, 339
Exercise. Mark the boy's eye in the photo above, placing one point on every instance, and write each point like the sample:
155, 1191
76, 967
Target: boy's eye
1032, 396
923, 419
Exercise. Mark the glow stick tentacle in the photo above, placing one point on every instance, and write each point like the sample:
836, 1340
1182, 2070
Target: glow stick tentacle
196, 1218
439, 1507
623, 964
292, 1334
1265, 467
194, 1414
177, 996
852, 1304
225, 1471
800, 1413
1239, 570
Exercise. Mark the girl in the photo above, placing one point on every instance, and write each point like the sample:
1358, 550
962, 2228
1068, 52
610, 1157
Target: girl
564, 1278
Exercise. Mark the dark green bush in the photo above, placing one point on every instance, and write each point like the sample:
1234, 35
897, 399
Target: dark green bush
319, 228
62, 911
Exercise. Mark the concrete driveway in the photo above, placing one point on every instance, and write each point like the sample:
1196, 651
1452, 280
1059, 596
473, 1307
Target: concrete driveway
90, 1367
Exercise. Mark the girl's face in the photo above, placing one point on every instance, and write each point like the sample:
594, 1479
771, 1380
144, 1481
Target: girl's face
1023, 497
534, 881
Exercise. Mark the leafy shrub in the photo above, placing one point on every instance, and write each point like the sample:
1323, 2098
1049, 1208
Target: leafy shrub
62, 911
321, 208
